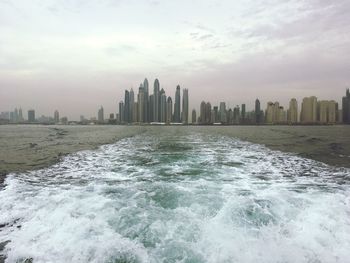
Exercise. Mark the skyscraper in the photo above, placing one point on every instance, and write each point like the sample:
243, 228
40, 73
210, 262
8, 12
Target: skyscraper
56, 116
127, 107
31, 116
257, 111
100, 115
185, 106
194, 116
131, 105
156, 102
141, 104
151, 107
20, 115
146, 101
121, 112
346, 107
308, 112
163, 106
243, 114
202, 116
222, 113
169, 110
177, 117
293, 111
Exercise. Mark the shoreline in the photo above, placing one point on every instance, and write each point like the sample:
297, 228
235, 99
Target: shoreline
32, 147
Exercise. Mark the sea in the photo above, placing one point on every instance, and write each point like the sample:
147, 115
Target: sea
185, 197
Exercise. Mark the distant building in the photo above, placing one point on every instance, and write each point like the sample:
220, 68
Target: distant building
100, 115
163, 106
141, 104
31, 116
145, 102
293, 111
326, 112
222, 112
169, 110
177, 110
56, 116
194, 116
308, 114
131, 106
243, 117
121, 112
156, 101
346, 107
127, 107
258, 116
185, 106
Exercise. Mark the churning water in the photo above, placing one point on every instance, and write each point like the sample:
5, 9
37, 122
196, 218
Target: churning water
178, 198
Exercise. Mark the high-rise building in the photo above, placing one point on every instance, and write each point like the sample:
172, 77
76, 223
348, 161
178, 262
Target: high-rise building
177, 110
208, 113
243, 114
131, 105
135, 115
308, 112
163, 106
141, 104
194, 116
151, 107
202, 116
346, 107
127, 107
223, 118
56, 116
121, 112
326, 111
257, 111
20, 115
156, 102
293, 111
100, 115
185, 106
169, 110
146, 101
31, 116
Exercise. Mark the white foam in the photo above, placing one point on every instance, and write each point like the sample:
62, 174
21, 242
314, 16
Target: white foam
216, 200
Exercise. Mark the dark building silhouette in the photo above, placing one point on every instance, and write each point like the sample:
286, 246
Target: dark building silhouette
177, 110
346, 107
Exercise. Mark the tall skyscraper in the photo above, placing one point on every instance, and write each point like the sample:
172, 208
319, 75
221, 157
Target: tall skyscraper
31, 116
194, 116
293, 111
163, 106
185, 106
20, 115
243, 114
146, 101
308, 112
121, 112
222, 113
257, 111
127, 107
177, 110
100, 115
169, 110
346, 107
56, 116
151, 107
202, 116
131, 105
208, 113
141, 104
156, 102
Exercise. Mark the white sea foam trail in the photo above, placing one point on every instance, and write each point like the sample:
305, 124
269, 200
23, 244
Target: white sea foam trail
193, 198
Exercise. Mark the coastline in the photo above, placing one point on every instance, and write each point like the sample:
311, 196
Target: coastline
32, 147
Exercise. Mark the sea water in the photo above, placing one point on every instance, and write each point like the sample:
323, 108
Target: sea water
178, 198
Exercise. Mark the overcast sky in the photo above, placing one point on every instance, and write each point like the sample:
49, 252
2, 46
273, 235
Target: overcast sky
75, 55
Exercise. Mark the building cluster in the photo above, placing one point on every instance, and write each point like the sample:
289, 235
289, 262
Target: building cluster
16, 117
157, 108
144, 107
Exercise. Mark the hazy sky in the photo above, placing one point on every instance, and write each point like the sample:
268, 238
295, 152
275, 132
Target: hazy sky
75, 55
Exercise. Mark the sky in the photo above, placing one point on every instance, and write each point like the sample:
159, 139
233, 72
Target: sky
76, 55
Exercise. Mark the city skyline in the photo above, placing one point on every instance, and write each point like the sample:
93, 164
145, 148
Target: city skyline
159, 108
77, 55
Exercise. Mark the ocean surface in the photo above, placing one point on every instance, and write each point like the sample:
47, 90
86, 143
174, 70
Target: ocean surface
178, 197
